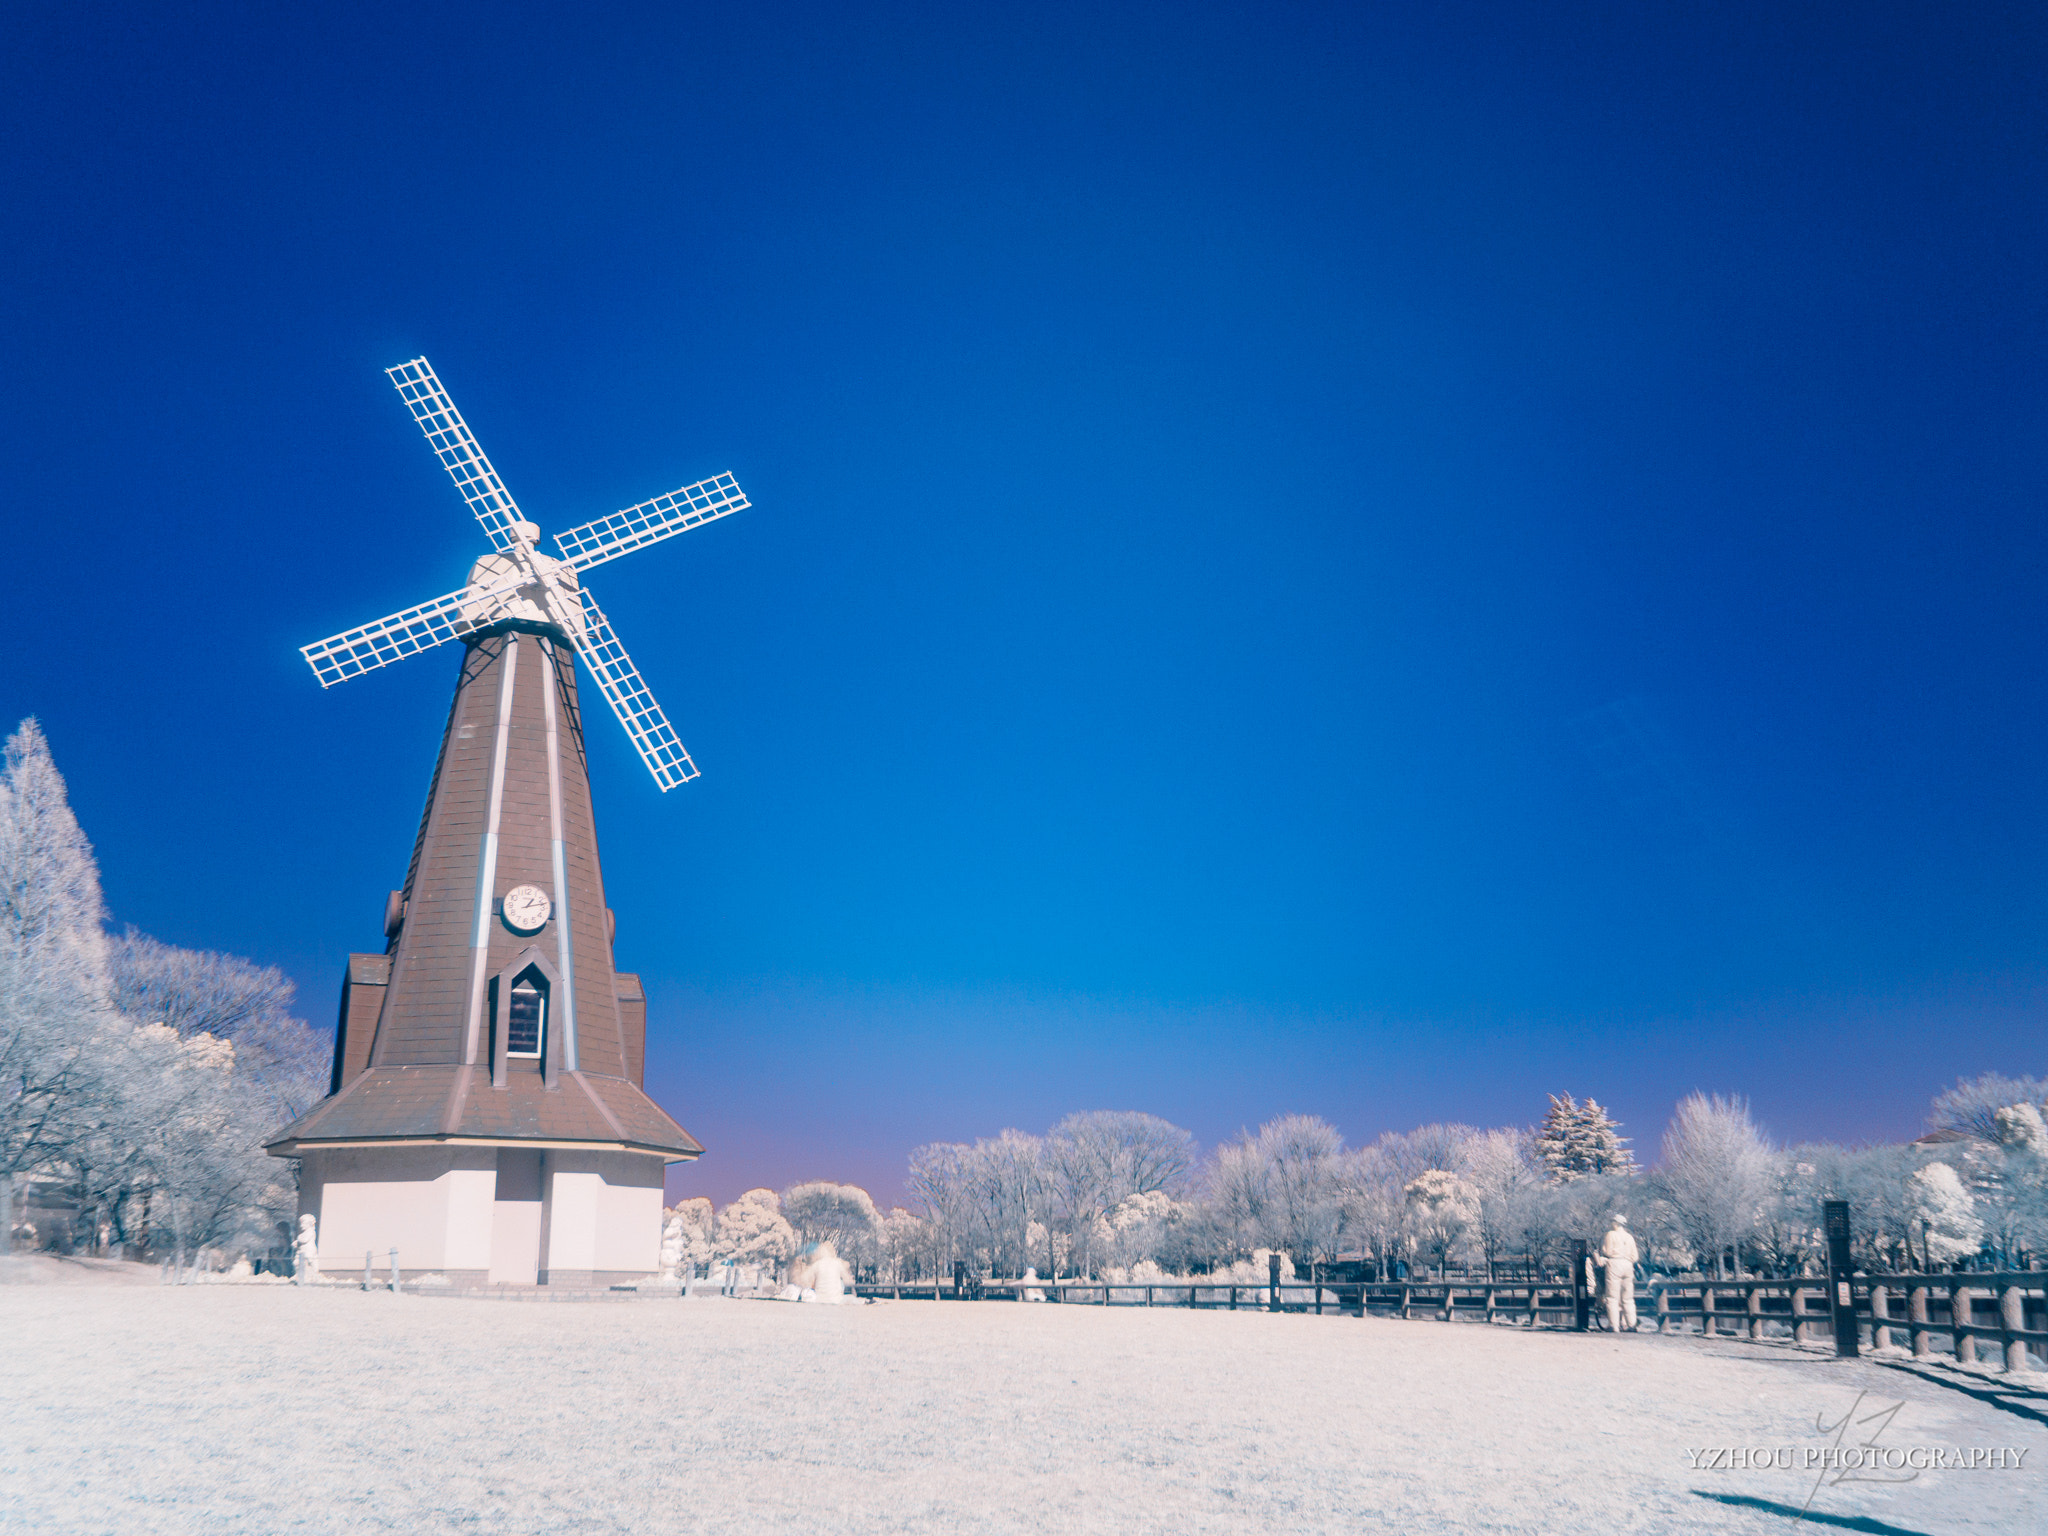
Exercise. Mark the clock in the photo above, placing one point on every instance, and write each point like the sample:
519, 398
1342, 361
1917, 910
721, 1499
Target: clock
527, 908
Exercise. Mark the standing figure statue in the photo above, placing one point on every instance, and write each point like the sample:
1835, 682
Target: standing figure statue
1618, 1255
306, 1253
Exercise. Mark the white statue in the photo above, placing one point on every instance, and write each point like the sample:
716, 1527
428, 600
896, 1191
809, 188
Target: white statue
1031, 1290
672, 1241
1618, 1255
306, 1253
819, 1274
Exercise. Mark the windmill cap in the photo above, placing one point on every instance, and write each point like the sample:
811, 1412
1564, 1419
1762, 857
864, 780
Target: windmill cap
525, 532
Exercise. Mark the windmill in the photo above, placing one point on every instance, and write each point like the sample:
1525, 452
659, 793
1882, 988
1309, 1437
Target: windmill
518, 582
486, 1112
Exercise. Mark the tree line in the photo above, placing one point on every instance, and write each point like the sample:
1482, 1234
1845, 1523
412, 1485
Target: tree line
138, 1080
1127, 1196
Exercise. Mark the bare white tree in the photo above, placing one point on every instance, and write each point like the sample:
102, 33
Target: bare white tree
1717, 1175
1093, 1160
840, 1214
1511, 1191
1301, 1153
201, 992
1971, 1108
938, 1181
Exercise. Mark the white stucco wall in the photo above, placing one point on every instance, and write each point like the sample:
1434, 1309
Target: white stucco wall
433, 1204
447, 1208
603, 1211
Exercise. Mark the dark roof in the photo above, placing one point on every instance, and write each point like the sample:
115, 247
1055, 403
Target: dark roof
452, 1103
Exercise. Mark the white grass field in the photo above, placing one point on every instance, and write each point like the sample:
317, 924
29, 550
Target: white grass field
137, 1409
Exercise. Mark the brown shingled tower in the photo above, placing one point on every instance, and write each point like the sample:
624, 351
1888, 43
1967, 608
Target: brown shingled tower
486, 1115
424, 1062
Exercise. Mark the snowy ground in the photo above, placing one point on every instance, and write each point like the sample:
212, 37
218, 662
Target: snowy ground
135, 1409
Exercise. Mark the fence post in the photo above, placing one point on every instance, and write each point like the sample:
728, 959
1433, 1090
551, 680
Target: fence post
369, 1262
2012, 1316
1840, 1295
1707, 1310
1663, 1309
1800, 1326
1962, 1309
394, 1269
1880, 1310
1916, 1310
1273, 1282
959, 1279
1756, 1311
1233, 1298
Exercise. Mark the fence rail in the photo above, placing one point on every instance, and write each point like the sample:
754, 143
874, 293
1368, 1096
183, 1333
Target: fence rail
1935, 1307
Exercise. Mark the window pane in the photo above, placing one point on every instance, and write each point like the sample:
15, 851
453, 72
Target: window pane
522, 1033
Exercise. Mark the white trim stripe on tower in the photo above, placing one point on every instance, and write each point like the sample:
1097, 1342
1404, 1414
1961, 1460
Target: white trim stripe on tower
487, 863
564, 949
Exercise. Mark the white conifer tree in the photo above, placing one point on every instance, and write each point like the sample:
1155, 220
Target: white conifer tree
1604, 1148
1579, 1139
53, 968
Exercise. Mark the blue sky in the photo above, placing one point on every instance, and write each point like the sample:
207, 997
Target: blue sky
1376, 560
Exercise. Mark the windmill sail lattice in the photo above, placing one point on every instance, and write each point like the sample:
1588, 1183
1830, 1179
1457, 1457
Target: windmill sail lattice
457, 449
523, 585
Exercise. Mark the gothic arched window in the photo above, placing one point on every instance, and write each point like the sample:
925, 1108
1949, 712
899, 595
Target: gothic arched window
526, 1014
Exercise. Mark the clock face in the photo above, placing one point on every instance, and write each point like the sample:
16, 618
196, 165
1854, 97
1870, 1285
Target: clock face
527, 908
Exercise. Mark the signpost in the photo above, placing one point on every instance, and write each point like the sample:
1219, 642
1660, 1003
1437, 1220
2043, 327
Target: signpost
1582, 1292
1841, 1288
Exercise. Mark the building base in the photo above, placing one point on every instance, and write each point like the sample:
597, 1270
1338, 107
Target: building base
483, 1215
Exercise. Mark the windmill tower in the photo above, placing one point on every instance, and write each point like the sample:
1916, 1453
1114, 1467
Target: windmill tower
486, 1115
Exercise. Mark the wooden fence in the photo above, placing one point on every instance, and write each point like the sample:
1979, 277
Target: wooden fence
1922, 1310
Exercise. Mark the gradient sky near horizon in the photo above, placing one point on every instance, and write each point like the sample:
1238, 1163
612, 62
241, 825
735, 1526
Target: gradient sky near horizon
1373, 560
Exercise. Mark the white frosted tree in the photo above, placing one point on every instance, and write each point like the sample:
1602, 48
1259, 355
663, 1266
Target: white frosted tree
1947, 1212
1093, 1159
1305, 1200
1370, 1200
1517, 1208
1577, 1139
938, 1180
1006, 1191
1442, 1209
202, 992
1971, 1107
751, 1230
1240, 1193
904, 1242
686, 1238
840, 1214
197, 1134
53, 971
1717, 1177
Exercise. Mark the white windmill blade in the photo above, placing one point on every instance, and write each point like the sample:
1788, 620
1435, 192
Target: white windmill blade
405, 633
456, 446
619, 680
678, 511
